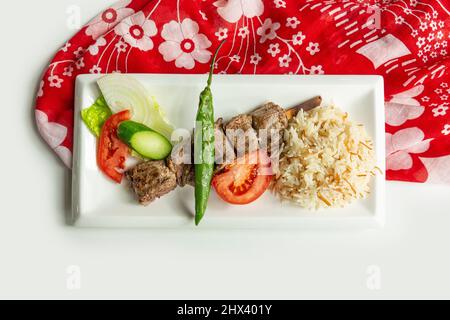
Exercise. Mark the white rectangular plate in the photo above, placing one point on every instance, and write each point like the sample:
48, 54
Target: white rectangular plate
97, 202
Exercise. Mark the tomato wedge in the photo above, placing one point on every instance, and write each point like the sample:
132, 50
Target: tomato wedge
112, 153
245, 180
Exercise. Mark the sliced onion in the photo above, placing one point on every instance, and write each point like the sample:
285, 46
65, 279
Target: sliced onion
123, 92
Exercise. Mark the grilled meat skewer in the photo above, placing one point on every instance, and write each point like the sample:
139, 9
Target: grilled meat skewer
153, 179
305, 106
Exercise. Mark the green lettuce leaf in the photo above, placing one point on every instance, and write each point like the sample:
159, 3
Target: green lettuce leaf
96, 115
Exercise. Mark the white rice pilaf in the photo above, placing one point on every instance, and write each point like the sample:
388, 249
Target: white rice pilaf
327, 160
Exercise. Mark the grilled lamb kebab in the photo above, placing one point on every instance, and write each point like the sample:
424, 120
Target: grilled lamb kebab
262, 125
262, 121
153, 179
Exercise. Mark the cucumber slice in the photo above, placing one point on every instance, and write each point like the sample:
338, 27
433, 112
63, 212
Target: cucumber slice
145, 141
127, 129
151, 145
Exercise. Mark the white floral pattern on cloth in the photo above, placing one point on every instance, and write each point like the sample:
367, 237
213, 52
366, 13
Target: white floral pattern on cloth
297, 39
315, 70
184, 44
68, 71
108, 19
292, 22
79, 64
437, 169
65, 154
55, 81
54, 134
95, 48
79, 52
121, 46
279, 37
137, 31
446, 130
440, 110
95, 69
251, 28
268, 30
274, 49
401, 145
41, 89
255, 59
313, 48
222, 34
233, 10
403, 107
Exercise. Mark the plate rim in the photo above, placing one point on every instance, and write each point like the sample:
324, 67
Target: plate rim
377, 221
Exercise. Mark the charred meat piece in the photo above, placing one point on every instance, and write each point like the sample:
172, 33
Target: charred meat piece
270, 116
181, 162
151, 180
224, 150
184, 173
241, 134
269, 121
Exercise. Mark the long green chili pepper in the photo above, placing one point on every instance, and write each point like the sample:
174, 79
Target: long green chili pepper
204, 147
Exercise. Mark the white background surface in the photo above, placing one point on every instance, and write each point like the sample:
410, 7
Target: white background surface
36, 247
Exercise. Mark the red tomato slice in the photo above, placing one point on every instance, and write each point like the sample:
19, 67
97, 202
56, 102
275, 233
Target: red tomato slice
245, 180
112, 153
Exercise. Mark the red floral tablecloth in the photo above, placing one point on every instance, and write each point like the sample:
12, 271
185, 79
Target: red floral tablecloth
406, 41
